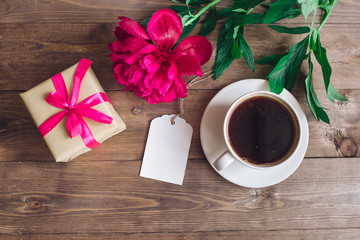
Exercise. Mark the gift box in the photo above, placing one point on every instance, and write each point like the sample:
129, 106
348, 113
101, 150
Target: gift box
72, 112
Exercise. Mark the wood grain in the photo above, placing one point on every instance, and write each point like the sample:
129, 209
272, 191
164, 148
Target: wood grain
108, 196
42, 51
20, 136
85, 11
319, 234
99, 195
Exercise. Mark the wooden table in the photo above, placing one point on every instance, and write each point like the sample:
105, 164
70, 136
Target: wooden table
100, 194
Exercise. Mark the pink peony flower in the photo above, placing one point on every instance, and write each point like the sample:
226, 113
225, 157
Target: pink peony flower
145, 62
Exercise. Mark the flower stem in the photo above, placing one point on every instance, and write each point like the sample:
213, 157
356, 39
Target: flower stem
312, 29
198, 14
327, 16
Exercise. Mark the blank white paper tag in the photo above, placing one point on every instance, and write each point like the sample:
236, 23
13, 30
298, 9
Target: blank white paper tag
167, 149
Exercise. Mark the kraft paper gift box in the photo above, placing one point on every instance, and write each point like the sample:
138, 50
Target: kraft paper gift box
62, 147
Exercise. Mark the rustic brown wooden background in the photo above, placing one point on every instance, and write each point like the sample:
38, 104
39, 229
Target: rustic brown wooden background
100, 195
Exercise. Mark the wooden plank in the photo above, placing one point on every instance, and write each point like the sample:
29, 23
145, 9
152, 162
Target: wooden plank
109, 196
20, 139
17, 130
100, 195
80, 11
319, 234
42, 50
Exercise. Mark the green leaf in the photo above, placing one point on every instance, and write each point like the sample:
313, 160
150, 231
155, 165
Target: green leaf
187, 2
307, 6
186, 29
246, 52
271, 59
200, 1
245, 19
291, 13
289, 67
187, 5
313, 101
182, 10
145, 21
321, 57
246, 4
209, 22
327, 6
278, 74
235, 51
240, 10
184, 19
298, 54
225, 13
308, 86
224, 56
195, 3
266, 4
236, 30
296, 30
314, 34
177, 1
277, 10
332, 93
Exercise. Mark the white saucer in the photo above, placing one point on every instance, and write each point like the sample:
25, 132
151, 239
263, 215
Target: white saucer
213, 144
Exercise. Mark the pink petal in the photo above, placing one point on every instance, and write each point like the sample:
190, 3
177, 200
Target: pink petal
129, 88
142, 86
122, 73
147, 93
154, 98
189, 66
151, 63
133, 44
138, 76
134, 58
120, 33
129, 73
115, 57
115, 47
196, 46
133, 28
177, 89
148, 79
148, 49
119, 69
165, 28
162, 82
182, 87
173, 71
171, 95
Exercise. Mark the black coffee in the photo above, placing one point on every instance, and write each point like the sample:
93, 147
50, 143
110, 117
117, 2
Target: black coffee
261, 130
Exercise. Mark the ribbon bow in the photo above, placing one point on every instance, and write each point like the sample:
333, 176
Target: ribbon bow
75, 123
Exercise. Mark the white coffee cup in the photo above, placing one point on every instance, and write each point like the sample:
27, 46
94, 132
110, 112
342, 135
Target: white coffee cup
231, 154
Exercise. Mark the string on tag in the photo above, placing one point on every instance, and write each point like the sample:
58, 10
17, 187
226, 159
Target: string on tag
181, 111
194, 81
197, 79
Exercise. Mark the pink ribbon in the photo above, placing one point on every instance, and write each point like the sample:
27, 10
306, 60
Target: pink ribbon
75, 112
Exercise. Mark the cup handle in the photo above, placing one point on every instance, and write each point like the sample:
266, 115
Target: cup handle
224, 160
